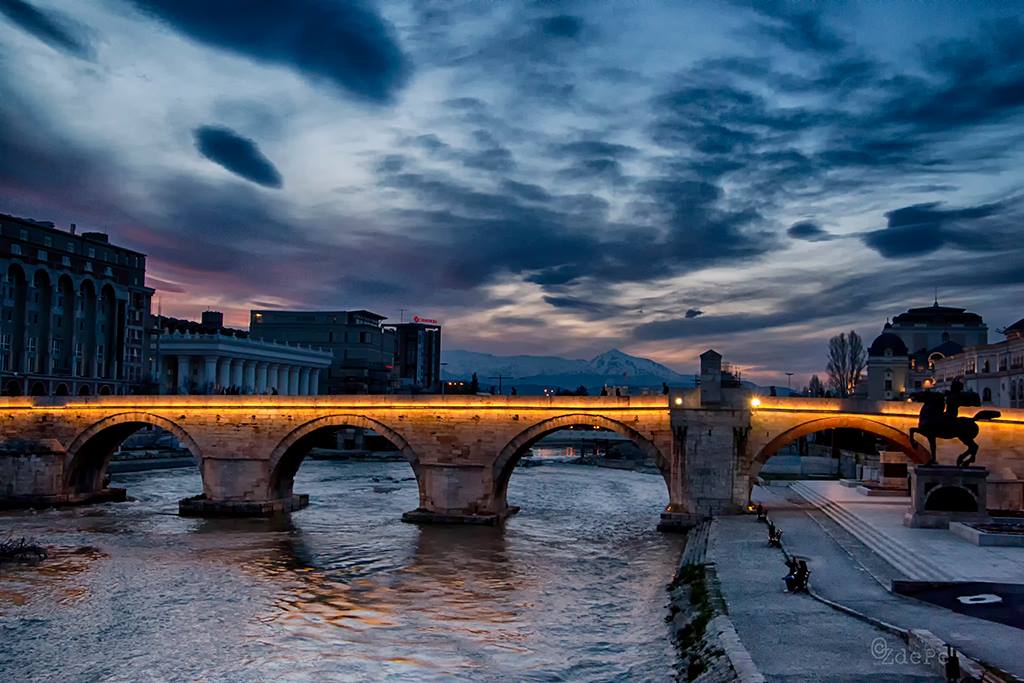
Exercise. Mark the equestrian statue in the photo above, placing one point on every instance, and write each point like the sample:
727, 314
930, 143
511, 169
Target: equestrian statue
939, 419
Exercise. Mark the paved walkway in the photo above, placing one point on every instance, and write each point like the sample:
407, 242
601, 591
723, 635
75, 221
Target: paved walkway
795, 637
848, 572
919, 554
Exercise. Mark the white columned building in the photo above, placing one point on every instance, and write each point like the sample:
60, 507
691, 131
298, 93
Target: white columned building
204, 363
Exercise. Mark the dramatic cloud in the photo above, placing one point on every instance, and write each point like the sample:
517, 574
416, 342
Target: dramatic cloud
580, 177
344, 42
924, 228
237, 154
49, 27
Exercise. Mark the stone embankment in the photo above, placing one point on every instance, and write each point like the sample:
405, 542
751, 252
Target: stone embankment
709, 649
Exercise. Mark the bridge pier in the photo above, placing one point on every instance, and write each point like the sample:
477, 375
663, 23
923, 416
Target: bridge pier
457, 493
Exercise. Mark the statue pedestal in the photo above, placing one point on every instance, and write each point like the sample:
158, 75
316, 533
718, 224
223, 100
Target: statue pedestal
942, 494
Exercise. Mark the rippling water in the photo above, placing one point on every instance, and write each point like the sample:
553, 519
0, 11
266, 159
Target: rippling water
572, 589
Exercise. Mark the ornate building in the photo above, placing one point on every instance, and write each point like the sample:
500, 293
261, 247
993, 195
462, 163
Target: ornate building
74, 310
994, 371
902, 359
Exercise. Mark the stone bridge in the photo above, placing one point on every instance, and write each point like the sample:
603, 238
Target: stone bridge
462, 449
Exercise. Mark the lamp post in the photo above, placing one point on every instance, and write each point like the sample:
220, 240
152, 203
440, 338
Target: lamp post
442, 377
788, 376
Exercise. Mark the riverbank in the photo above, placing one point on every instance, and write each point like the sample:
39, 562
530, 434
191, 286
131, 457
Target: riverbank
709, 649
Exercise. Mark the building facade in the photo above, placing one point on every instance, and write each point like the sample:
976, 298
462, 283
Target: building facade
994, 371
901, 360
363, 349
74, 312
418, 356
208, 358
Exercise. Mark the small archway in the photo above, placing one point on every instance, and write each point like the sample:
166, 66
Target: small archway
293, 449
505, 464
38, 389
13, 388
84, 390
105, 390
61, 390
90, 453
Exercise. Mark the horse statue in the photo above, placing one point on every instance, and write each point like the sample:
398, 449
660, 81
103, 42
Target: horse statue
939, 420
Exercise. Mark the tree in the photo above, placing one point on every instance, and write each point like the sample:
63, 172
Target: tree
815, 387
581, 390
474, 385
846, 361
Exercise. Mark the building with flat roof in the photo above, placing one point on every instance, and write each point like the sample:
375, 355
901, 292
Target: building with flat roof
418, 356
74, 310
207, 358
363, 349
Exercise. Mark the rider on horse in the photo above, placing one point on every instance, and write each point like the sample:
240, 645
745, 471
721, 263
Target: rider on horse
939, 419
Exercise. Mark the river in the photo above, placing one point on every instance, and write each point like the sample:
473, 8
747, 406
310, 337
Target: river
571, 589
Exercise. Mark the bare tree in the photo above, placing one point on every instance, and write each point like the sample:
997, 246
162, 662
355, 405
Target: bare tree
815, 387
846, 361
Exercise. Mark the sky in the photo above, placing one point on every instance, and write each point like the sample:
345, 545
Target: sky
543, 177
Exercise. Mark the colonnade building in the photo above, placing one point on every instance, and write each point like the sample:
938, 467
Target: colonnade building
208, 358
74, 310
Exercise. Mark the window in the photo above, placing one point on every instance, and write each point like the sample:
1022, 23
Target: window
65, 261
23, 234
41, 254
30, 344
88, 266
986, 395
108, 272
48, 241
71, 247
16, 249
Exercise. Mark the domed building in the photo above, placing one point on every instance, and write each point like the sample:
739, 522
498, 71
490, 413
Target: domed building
901, 360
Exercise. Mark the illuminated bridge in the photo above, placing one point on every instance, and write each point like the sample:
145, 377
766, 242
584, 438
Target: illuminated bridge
463, 449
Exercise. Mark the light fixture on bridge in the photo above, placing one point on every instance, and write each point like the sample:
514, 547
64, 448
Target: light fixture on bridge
755, 402
679, 400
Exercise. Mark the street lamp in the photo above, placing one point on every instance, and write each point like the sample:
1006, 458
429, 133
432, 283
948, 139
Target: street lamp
788, 376
442, 372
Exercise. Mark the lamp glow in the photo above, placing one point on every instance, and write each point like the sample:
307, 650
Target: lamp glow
679, 400
755, 402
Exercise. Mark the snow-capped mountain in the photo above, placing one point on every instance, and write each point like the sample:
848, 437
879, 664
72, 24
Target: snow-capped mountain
612, 367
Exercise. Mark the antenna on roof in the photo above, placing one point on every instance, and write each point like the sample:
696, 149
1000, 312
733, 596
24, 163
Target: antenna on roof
936, 296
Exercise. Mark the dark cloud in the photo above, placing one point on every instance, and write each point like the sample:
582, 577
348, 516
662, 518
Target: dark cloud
48, 26
345, 42
925, 228
562, 26
237, 154
693, 313
809, 231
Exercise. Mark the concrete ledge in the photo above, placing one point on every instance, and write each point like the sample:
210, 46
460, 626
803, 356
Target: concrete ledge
881, 492
428, 517
107, 495
676, 522
942, 520
200, 506
979, 537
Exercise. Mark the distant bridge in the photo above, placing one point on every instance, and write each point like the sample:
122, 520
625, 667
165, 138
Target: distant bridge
463, 449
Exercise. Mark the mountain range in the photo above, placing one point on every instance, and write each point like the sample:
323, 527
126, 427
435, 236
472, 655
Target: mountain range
612, 368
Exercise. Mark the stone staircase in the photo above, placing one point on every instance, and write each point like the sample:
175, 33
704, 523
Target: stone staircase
912, 565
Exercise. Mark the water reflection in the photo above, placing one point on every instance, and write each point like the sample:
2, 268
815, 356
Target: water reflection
571, 589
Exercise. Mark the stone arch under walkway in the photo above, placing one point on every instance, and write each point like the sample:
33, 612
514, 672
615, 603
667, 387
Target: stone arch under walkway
90, 452
288, 455
505, 463
896, 438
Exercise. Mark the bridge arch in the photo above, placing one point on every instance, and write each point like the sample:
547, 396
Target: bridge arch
505, 464
288, 455
90, 452
894, 437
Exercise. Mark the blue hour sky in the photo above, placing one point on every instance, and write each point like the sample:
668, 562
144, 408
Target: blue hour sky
544, 177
